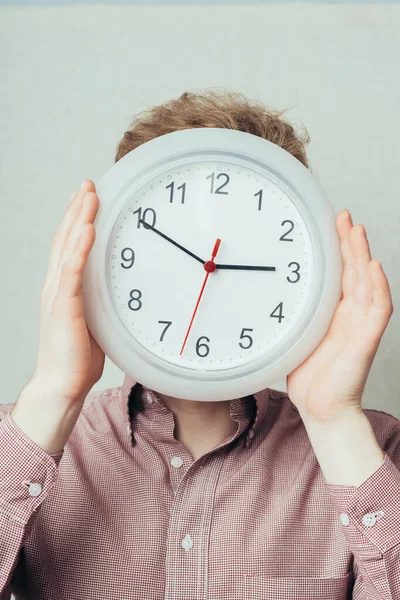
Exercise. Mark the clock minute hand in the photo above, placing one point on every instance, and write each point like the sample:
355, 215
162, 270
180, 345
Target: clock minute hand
245, 267
147, 226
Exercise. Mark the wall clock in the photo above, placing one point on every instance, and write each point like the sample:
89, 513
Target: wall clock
216, 268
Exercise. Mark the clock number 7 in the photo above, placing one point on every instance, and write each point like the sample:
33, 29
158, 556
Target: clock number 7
167, 323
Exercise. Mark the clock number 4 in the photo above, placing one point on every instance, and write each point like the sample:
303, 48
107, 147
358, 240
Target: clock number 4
218, 190
279, 315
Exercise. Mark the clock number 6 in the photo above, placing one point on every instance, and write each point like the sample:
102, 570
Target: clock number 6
200, 344
294, 272
248, 337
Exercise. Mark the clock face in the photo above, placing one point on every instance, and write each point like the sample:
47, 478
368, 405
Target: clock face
156, 265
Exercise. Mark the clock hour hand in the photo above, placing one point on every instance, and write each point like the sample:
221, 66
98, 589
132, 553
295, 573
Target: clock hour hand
245, 268
147, 226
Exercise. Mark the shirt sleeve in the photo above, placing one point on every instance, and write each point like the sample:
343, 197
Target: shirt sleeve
27, 474
370, 516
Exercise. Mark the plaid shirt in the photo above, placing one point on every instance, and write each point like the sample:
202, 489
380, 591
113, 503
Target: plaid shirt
125, 513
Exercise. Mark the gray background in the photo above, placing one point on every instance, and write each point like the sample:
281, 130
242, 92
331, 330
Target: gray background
73, 77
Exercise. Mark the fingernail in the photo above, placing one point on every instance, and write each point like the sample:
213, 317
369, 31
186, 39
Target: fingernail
83, 184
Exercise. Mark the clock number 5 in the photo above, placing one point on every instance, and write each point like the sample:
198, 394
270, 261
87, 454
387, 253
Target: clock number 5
295, 272
247, 337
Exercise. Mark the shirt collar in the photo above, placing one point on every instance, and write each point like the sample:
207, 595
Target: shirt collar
249, 411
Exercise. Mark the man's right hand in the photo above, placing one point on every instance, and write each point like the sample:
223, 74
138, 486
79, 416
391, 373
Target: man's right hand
69, 361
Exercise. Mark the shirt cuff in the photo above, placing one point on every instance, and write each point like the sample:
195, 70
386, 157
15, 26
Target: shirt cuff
27, 472
370, 512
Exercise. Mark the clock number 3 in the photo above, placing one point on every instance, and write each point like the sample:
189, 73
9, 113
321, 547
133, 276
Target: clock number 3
295, 272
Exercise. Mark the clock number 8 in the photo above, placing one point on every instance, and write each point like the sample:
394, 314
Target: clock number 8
135, 299
200, 344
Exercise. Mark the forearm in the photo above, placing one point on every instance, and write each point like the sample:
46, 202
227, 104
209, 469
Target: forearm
348, 452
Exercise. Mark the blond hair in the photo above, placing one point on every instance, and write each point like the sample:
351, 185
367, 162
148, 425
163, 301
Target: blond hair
229, 110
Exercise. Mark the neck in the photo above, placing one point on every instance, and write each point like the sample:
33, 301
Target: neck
200, 426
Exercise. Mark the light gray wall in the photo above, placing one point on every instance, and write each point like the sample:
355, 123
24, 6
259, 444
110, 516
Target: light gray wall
73, 77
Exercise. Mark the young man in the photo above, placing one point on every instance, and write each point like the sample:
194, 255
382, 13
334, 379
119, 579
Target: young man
128, 494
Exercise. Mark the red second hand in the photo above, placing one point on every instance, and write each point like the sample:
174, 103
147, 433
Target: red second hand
210, 267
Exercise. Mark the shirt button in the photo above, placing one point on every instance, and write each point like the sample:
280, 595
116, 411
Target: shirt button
176, 462
149, 398
369, 520
187, 542
251, 434
344, 519
35, 489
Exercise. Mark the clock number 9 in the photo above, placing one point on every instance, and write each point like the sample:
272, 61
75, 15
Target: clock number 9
294, 272
200, 344
135, 299
243, 336
131, 258
212, 177
140, 218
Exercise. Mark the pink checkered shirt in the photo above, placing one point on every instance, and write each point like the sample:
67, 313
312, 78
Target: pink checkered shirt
124, 513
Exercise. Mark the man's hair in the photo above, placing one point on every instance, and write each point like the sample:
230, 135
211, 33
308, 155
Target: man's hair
227, 110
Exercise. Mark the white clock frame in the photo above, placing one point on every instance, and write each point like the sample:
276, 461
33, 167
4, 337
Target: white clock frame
180, 147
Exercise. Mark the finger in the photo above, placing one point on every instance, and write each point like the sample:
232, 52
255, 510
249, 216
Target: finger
362, 258
70, 283
382, 297
61, 235
344, 225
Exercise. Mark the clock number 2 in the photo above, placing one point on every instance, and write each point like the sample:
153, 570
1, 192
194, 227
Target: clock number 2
283, 237
279, 315
136, 298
